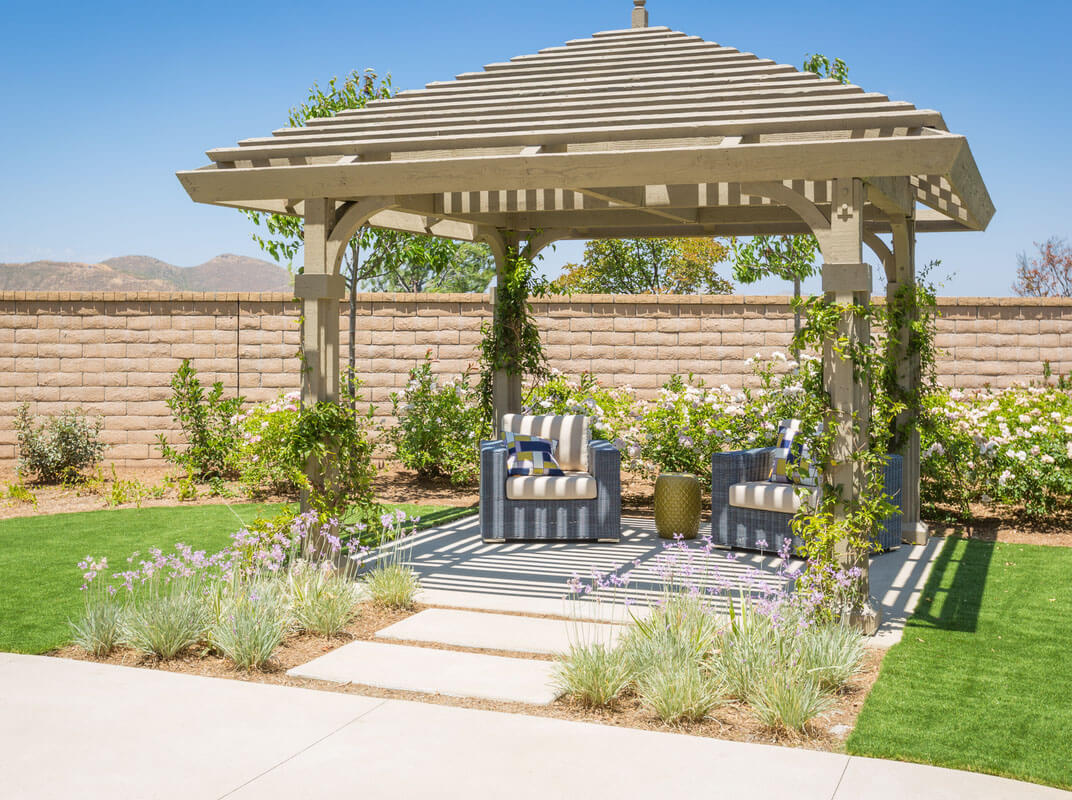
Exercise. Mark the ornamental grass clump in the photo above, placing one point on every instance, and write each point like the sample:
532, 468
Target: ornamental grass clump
787, 700
747, 652
593, 674
831, 654
166, 616
680, 690
252, 622
391, 583
682, 631
322, 598
97, 630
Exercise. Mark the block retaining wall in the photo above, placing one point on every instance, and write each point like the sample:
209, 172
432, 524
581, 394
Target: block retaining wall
114, 354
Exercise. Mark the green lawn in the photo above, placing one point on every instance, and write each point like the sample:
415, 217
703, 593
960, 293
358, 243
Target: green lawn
983, 678
39, 575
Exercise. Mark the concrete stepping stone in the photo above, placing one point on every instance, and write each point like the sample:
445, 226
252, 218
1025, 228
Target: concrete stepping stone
421, 669
499, 631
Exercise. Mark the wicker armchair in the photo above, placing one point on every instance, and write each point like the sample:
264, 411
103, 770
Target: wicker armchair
584, 505
747, 510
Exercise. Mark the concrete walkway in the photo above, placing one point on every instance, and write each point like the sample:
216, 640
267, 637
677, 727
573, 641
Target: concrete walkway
79, 729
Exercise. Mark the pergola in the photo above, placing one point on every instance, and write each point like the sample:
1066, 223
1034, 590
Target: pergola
640, 132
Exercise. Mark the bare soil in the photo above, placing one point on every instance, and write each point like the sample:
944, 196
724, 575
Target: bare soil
732, 721
999, 524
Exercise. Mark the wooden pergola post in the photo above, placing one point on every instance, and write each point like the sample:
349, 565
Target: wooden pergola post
505, 387
913, 529
320, 289
847, 282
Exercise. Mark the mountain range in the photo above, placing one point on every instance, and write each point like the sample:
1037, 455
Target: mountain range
224, 273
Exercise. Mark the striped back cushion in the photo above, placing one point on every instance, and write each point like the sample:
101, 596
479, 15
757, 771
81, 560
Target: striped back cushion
571, 431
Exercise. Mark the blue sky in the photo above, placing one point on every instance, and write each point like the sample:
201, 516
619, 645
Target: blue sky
103, 102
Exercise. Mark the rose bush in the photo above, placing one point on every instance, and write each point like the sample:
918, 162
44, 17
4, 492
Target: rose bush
1011, 446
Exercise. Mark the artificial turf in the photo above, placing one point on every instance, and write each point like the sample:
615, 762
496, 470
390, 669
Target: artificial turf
39, 575
982, 679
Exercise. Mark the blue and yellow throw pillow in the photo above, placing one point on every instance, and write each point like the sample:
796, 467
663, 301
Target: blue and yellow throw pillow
788, 451
530, 455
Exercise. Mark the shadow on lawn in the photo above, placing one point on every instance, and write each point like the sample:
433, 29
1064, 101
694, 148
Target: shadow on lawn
953, 595
442, 516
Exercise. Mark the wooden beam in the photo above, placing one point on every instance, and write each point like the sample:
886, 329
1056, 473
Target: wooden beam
746, 162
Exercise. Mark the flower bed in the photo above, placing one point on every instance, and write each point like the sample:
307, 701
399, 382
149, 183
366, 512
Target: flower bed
1004, 446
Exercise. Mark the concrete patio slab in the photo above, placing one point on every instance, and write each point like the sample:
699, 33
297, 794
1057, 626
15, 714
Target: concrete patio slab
422, 669
499, 631
79, 729
465, 754
877, 779
458, 569
897, 581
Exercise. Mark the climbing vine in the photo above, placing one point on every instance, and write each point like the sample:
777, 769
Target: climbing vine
914, 309
839, 522
511, 341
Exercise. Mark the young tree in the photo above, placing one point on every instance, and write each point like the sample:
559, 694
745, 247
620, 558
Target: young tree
791, 258
1049, 274
655, 266
405, 263
393, 261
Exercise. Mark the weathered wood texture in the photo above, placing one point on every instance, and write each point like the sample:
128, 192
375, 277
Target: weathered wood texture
114, 354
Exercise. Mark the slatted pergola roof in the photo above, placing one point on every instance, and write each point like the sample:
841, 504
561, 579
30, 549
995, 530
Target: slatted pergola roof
605, 135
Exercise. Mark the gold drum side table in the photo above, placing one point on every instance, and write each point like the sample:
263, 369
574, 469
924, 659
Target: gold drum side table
677, 505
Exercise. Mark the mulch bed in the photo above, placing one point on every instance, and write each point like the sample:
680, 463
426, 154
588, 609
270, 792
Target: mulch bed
999, 524
731, 721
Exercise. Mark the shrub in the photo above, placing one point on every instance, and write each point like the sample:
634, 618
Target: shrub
250, 624
787, 700
679, 689
1011, 446
262, 457
322, 599
439, 426
205, 420
593, 674
59, 448
337, 439
97, 630
165, 616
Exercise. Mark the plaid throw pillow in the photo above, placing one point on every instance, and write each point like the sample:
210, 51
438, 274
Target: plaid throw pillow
530, 455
